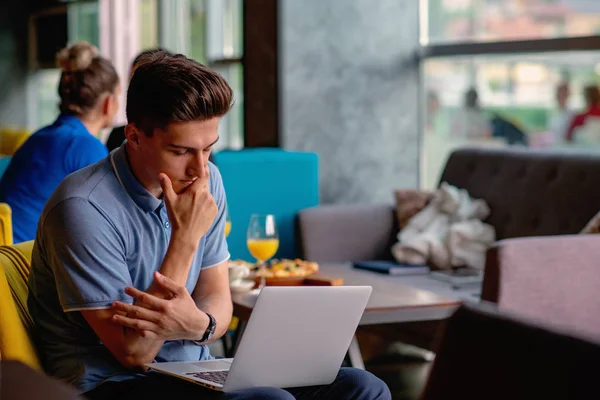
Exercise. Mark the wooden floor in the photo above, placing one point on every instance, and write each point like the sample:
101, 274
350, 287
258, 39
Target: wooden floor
405, 378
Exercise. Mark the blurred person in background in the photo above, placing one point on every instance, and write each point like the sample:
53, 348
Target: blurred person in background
509, 131
591, 93
470, 122
117, 135
560, 120
88, 89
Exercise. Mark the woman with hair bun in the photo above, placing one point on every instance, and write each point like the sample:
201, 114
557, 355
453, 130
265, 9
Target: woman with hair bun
88, 89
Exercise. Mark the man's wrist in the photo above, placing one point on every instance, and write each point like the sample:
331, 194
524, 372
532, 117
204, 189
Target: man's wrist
203, 326
182, 242
199, 326
208, 326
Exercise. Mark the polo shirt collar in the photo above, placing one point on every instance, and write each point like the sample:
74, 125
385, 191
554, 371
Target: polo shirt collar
138, 193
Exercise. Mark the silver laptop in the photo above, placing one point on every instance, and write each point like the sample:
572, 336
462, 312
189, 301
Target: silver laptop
296, 336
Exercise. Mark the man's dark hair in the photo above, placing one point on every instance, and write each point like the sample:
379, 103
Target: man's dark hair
175, 89
150, 53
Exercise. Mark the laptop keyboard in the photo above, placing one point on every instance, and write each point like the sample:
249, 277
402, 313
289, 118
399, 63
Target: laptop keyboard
212, 376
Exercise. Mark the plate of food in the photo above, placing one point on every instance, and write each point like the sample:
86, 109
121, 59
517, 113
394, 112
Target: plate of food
242, 286
239, 271
285, 272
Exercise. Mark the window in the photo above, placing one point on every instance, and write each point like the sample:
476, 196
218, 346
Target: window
504, 91
197, 32
83, 22
497, 20
232, 126
519, 88
224, 52
210, 31
43, 100
148, 24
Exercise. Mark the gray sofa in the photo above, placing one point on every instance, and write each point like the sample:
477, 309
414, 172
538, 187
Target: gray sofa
530, 193
539, 268
546, 195
335, 233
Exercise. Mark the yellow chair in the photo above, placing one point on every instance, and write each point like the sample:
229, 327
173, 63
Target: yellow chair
6, 233
11, 140
15, 320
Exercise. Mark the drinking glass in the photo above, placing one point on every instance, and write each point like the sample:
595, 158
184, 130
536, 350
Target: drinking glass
262, 241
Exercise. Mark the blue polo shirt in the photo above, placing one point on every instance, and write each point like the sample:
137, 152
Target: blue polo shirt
100, 232
40, 164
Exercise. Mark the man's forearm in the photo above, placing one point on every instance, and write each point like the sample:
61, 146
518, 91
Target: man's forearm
177, 262
176, 265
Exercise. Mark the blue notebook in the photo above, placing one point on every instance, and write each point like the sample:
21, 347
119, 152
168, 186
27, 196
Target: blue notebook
392, 267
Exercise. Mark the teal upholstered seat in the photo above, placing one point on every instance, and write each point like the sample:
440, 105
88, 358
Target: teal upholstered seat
267, 181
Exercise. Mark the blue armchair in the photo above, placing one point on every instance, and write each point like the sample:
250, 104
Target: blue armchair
267, 181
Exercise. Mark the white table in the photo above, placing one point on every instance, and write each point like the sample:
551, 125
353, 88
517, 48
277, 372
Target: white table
394, 299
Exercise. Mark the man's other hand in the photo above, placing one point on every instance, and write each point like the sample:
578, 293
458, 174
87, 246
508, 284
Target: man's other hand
175, 318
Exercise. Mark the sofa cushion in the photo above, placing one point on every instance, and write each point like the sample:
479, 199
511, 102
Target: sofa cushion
554, 278
409, 202
343, 233
11, 140
530, 192
6, 235
15, 320
22, 382
487, 354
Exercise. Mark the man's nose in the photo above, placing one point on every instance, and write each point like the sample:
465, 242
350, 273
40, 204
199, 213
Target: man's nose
199, 167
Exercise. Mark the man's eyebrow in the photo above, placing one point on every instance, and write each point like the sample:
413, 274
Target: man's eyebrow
176, 146
213, 143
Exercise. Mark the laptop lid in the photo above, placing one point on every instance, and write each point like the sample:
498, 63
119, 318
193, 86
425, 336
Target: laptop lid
297, 336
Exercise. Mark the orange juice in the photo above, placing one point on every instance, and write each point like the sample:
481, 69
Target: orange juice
263, 249
227, 228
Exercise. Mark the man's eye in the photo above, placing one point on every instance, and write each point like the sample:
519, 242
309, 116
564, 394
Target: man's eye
180, 153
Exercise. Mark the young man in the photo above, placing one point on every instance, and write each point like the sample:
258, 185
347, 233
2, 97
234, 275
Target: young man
130, 261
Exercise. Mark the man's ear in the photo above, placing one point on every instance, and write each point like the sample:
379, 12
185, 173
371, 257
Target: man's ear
132, 134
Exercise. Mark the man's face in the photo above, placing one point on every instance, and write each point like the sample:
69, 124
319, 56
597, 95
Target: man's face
181, 151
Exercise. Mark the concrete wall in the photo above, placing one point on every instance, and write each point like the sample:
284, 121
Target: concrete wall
349, 92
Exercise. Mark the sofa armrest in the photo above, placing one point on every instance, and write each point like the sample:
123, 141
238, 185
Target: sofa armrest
342, 233
550, 277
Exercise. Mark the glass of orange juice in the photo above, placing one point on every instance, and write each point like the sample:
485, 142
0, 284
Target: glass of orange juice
262, 241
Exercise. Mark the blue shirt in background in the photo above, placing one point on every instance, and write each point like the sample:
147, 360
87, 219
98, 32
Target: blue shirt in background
100, 232
40, 164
